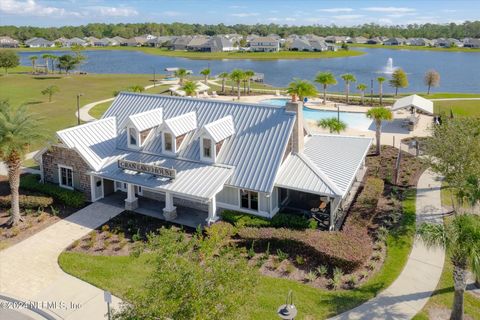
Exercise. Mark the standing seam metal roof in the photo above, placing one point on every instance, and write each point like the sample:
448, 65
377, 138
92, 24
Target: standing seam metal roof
147, 120
220, 129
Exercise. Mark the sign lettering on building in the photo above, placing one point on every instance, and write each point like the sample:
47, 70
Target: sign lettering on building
147, 168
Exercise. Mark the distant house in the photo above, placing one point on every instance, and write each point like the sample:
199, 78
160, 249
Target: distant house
180, 43
448, 43
60, 41
359, 40
471, 43
75, 42
39, 43
303, 44
222, 44
264, 44
252, 37
336, 39
91, 40
199, 43
421, 42
119, 40
105, 42
320, 45
158, 42
395, 41
134, 42
375, 40
7, 42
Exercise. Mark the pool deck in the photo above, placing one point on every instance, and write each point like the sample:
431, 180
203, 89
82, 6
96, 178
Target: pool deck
392, 132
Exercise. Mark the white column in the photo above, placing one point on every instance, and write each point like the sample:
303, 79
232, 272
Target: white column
170, 211
212, 211
131, 203
332, 214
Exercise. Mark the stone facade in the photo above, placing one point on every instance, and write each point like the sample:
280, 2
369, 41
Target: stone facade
56, 156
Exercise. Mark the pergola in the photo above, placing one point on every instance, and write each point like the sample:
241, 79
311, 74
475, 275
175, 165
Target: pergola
415, 102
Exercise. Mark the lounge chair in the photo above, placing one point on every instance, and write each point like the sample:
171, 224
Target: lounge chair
214, 94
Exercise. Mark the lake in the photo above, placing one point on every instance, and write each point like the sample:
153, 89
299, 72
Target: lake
459, 71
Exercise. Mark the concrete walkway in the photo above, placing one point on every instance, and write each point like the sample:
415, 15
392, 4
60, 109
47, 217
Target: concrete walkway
409, 293
29, 270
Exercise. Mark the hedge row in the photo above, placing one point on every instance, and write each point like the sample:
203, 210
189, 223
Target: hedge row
371, 192
68, 197
280, 220
347, 249
28, 202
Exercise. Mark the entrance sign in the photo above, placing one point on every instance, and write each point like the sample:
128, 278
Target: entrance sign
147, 168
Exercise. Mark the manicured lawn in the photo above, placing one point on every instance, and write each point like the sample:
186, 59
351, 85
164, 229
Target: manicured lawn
121, 274
227, 55
60, 113
100, 109
468, 108
381, 46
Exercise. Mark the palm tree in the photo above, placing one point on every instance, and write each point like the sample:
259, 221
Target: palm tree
46, 58
50, 91
33, 59
378, 114
461, 239
333, 125
18, 130
190, 88
348, 78
325, 79
237, 76
362, 87
181, 74
299, 89
380, 81
224, 76
249, 74
136, 88
206, 72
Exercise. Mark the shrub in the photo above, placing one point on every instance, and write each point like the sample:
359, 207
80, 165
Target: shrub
322, 270
244, 220
352, 280
289, 268
251, 251
280, 220
300, 260
105, 227
371, 192
311, 276
336, 281
282, 255
68, 197
27, 202
137, 237
290, 221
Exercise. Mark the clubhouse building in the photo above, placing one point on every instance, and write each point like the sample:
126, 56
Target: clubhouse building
205, 156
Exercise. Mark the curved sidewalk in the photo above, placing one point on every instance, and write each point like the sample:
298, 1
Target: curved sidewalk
409, 293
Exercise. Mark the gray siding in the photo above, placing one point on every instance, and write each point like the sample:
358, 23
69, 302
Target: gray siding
228, 195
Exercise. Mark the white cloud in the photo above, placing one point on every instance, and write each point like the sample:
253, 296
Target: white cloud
401, 15
237, 7
449, 10
390, 9
336, 10
31, 8
348, 17
114, 11
274, 11
290, 19
385, 21
245, 14
273, 19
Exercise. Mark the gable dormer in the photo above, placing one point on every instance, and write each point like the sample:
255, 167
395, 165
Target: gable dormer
141, 126
175, 130
213, 136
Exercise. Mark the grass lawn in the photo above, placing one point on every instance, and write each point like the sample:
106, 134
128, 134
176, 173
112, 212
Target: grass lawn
224, 55
468, 108
60, 113
122, 274
381, 46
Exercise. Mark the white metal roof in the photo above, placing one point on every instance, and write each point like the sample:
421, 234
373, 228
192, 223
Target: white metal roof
95, 141
327, 166
220, 129
414, 101
189, 180
181, 124
147, 120
255, 150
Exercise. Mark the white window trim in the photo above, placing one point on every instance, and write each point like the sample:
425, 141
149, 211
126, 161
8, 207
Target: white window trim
60, 166
213, 149
133, 146
174, 143
249, 200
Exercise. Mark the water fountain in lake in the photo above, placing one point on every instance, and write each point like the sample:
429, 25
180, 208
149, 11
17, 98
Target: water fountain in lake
389, 68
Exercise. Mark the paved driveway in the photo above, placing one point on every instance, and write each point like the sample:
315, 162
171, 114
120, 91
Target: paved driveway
29, 269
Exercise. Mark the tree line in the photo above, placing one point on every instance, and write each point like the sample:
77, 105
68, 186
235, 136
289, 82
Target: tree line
127, 30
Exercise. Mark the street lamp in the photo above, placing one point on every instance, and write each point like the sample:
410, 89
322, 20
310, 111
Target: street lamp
78, 107
338, 111
288, 311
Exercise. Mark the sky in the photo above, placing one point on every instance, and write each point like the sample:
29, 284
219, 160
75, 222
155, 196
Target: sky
295, 12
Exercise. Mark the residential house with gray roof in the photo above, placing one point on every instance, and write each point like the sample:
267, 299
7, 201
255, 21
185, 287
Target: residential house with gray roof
8, 42
264, 44
208, 156
39, 43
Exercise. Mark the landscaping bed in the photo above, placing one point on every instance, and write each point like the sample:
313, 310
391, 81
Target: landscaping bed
38, 211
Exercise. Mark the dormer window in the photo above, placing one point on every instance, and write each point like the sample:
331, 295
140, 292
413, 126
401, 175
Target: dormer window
207, 148
168, 141
132, 137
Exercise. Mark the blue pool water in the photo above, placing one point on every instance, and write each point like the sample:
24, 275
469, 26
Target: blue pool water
354, 120
170, 78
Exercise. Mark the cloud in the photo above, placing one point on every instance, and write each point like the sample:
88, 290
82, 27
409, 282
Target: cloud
392, 10
114, 11
273, 19
401, 15
336, 10
290, 19
237, 7
172, 13
31, 8
348, 17
245, 14
449, 10
385, 21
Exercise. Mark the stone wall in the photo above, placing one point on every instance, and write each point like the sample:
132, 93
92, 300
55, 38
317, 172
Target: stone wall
63, 156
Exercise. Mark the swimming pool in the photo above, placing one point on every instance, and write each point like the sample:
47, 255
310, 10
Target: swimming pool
171, 78
354, 120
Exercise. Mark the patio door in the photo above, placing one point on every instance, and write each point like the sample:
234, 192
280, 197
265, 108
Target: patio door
120, 186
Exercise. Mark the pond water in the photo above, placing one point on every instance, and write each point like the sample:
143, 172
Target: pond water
355, 120
459, 71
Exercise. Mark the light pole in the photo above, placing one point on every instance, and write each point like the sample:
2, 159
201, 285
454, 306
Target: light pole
78, 107
338, 111
288, 311
154, 80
